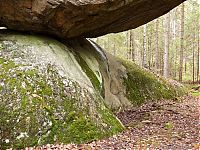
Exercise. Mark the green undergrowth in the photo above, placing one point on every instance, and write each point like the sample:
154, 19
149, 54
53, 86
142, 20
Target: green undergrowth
194, 89
38, 108
143, 85
196, 94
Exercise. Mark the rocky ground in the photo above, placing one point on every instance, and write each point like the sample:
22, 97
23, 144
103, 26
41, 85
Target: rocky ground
154, 125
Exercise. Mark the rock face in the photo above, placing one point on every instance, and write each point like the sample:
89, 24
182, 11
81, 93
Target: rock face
63, 92
49, 92
80, 18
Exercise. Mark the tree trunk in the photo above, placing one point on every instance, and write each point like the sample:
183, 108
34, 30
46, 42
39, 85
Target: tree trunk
175, 63
157, 47
144, 62
198, 46
132, 45
175, 35
198, 49
166, 45
127, 44
181, 44
150, 49
193, 59
193, 65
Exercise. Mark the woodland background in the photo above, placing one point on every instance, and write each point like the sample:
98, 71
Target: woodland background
168, 46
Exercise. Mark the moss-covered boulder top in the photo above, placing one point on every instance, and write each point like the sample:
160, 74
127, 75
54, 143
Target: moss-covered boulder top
63, 92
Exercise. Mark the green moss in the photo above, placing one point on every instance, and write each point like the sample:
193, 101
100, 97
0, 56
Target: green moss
142, 85
2, 60
196, 94
37, 109
1, 46
194, 89
169, 125
109, 118
93, 78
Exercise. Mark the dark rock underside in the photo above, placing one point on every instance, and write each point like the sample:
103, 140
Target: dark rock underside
85, 18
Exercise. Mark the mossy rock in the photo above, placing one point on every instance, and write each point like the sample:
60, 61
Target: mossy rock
142, 85
55, 92
40, 105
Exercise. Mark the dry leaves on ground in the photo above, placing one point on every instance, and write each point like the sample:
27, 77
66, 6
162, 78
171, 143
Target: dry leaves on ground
154, 125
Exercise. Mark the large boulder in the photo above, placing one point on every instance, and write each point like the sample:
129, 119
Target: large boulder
80, 18
63, 92
49, 92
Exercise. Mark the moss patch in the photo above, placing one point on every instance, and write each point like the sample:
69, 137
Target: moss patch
196, 94
93, 78
142, 85
39, 108
194, 89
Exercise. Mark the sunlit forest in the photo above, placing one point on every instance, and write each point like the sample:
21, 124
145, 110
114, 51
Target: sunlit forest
167, 46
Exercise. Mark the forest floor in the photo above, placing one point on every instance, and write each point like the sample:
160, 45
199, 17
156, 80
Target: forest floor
154, 125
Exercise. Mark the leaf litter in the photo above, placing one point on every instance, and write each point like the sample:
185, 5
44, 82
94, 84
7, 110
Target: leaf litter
165, 124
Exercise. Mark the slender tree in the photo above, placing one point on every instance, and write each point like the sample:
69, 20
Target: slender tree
132, 45
166, 45
131, 48
128, 44
157, 47
150, 49
193, 60
198, 44
198, 55
182, 43
144, 60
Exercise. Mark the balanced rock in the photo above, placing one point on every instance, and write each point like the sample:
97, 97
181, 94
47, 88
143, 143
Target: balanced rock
80, 18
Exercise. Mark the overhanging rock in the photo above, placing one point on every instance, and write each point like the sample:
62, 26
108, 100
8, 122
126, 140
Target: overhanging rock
80, 18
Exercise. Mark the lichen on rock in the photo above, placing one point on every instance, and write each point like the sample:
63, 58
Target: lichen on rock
55, 91
39, 104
